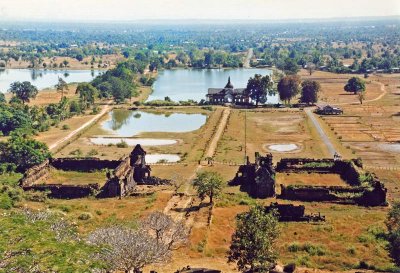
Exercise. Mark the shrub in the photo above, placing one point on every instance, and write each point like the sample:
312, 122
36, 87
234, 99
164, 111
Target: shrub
311, 249
65, 127
5, 201
289, 268
85, 216
92, 152
77, 153
122, 144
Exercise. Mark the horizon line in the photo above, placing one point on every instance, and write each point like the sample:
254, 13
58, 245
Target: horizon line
205, 20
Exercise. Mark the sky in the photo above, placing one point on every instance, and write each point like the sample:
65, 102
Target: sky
131, 10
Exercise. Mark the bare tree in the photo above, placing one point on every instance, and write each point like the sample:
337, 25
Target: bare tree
130, 250
165, 230
310, 68
125, 249
177, 181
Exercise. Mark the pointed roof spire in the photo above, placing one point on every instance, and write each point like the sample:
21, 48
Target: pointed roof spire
229, 84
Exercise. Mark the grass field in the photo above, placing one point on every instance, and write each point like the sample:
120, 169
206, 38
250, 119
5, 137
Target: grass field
350, 235
268, 127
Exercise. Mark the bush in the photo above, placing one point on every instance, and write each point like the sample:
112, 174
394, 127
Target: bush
122, 144
85, 216
76, 153
92, 152
5, 201
65, 127
289, 268
75, 107
311, 249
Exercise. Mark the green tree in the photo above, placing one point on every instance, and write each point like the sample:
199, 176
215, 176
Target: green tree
393, 225
24, 91
288, 87
309, 91
290, 66
253, 243
259, 87
24, 152
208, 59
208, 184
87, 92
61, 86
2, 98
13, 118
355, 85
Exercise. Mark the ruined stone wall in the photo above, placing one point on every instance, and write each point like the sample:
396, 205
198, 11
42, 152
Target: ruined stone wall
123, 167
303, 165
65, 191
347, 170
35, 173
83, 164
121, 182
364, 196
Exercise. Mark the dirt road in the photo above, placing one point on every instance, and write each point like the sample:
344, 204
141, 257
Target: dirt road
105, 109
178, 205
321, 132
246, 63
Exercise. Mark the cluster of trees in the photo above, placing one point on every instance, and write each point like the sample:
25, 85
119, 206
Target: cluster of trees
17, 115
118, 82
209, 59
20, 152
357, 87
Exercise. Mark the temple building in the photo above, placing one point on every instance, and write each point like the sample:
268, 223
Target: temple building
228, 94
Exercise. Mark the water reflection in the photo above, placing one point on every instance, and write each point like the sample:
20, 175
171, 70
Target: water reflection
126, 123
42, 78
184, 84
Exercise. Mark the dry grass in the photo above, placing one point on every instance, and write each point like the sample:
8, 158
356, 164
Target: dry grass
314, 179
191, 145
267, 127
75, 178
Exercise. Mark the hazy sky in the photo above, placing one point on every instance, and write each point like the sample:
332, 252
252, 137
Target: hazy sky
119, 10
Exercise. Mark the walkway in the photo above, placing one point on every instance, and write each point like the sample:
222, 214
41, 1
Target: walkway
321, 132
178, 205
246, 63
80, 128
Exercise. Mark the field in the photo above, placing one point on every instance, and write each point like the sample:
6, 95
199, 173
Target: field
351, 234
265, 128
190, 145
75, 178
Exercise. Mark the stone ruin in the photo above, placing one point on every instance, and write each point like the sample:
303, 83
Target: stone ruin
369, 193
293, 213
122, 178
257, 179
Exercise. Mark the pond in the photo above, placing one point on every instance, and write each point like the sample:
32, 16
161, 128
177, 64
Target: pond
390, 147
126, 123
157, 158
132, 141
42, 78
184, 84
283, 147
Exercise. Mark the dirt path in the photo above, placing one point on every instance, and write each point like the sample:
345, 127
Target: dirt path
321, 132
220, 130
384, 92
105, 109
246, 63
178, 206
